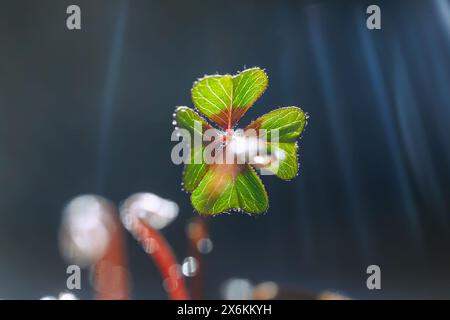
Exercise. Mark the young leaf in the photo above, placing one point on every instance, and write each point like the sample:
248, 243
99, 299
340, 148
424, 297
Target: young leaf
226, 187
221, 187
249, 85
289, 121
193, 173
213, 96
186, 117
285, 165
252, 195
225, 99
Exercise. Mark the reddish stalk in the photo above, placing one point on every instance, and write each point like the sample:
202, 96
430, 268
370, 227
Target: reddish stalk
158, 248
92, 235
110, 271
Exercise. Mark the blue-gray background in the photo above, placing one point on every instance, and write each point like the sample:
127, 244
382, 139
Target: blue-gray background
90, 111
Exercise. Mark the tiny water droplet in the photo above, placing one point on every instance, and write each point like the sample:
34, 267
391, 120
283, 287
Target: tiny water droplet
67, 296
189, 266
204, 245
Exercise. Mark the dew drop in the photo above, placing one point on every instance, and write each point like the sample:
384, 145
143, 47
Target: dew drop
204, 245
237, 289
189, 267
67, 296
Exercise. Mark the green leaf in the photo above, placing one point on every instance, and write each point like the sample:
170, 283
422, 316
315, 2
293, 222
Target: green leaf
249, 85
193, 172
225, 99
252, 195
285, 165
185, 118
227, 187
289, 121
212, 95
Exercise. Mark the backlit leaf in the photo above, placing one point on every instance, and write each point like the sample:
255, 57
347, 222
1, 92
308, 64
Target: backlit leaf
193, 172
213, 96
289, 121
226, 187
225, 99
249, 85
185, 118
285, 165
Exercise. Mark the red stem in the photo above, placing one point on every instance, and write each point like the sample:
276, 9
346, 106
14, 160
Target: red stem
164, 259
110, 272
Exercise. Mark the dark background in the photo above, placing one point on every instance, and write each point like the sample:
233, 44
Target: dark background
90, 111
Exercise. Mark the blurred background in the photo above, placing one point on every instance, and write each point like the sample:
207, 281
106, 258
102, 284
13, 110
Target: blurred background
90, 111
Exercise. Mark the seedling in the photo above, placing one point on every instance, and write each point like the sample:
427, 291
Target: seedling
269, 144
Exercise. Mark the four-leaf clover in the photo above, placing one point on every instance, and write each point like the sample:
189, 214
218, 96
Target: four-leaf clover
224, 99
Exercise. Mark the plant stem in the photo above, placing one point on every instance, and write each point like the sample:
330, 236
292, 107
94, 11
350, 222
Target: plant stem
110, 271
158, 248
